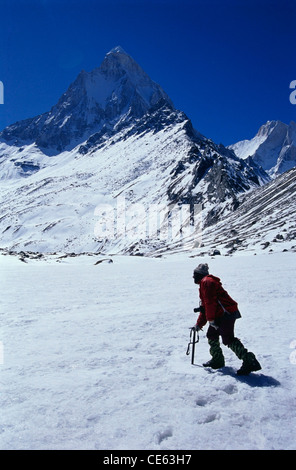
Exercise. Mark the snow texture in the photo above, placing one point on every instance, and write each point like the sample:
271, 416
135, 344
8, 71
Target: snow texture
94, 355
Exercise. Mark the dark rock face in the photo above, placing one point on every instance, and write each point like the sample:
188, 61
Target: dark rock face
217, 176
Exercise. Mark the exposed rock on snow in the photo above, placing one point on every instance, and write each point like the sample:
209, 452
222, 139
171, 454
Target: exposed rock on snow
266, 219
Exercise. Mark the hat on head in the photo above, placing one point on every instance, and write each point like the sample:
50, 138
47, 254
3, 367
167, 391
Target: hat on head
202, 269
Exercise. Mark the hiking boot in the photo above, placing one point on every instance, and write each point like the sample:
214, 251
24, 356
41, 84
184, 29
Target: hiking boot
215, 363
250, 364
217, 360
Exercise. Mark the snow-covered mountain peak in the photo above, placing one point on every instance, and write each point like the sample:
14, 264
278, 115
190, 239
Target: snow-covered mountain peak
117, 62
271, 126
273, 147
117, 50
117, 91
128, 77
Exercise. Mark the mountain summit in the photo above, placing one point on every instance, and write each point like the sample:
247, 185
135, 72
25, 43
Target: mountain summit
116, 92
273, 147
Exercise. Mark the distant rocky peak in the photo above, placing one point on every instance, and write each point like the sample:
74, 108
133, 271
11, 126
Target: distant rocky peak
118, 63
117, 50
117, 91
271, 126
120, 68
273, 147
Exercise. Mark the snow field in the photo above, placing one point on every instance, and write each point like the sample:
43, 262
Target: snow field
94, 356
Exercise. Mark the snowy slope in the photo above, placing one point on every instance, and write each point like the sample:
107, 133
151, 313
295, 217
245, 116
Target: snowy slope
273, 147
54, 209
265, 219
94, 355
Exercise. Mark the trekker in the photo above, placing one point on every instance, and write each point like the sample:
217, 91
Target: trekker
221, 311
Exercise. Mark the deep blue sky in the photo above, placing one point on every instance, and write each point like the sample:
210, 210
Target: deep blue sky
227, 64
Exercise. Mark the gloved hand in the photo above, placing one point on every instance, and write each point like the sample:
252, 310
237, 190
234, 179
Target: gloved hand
196, 328
213, 324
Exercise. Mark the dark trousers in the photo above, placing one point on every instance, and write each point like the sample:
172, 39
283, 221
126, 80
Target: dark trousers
225, 330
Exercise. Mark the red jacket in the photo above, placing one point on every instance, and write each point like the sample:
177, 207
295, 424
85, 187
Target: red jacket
214, 299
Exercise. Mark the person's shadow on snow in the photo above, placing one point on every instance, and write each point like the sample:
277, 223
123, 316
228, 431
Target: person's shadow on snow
254, 380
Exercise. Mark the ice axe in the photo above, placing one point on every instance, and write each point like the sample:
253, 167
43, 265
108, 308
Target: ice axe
194, 338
